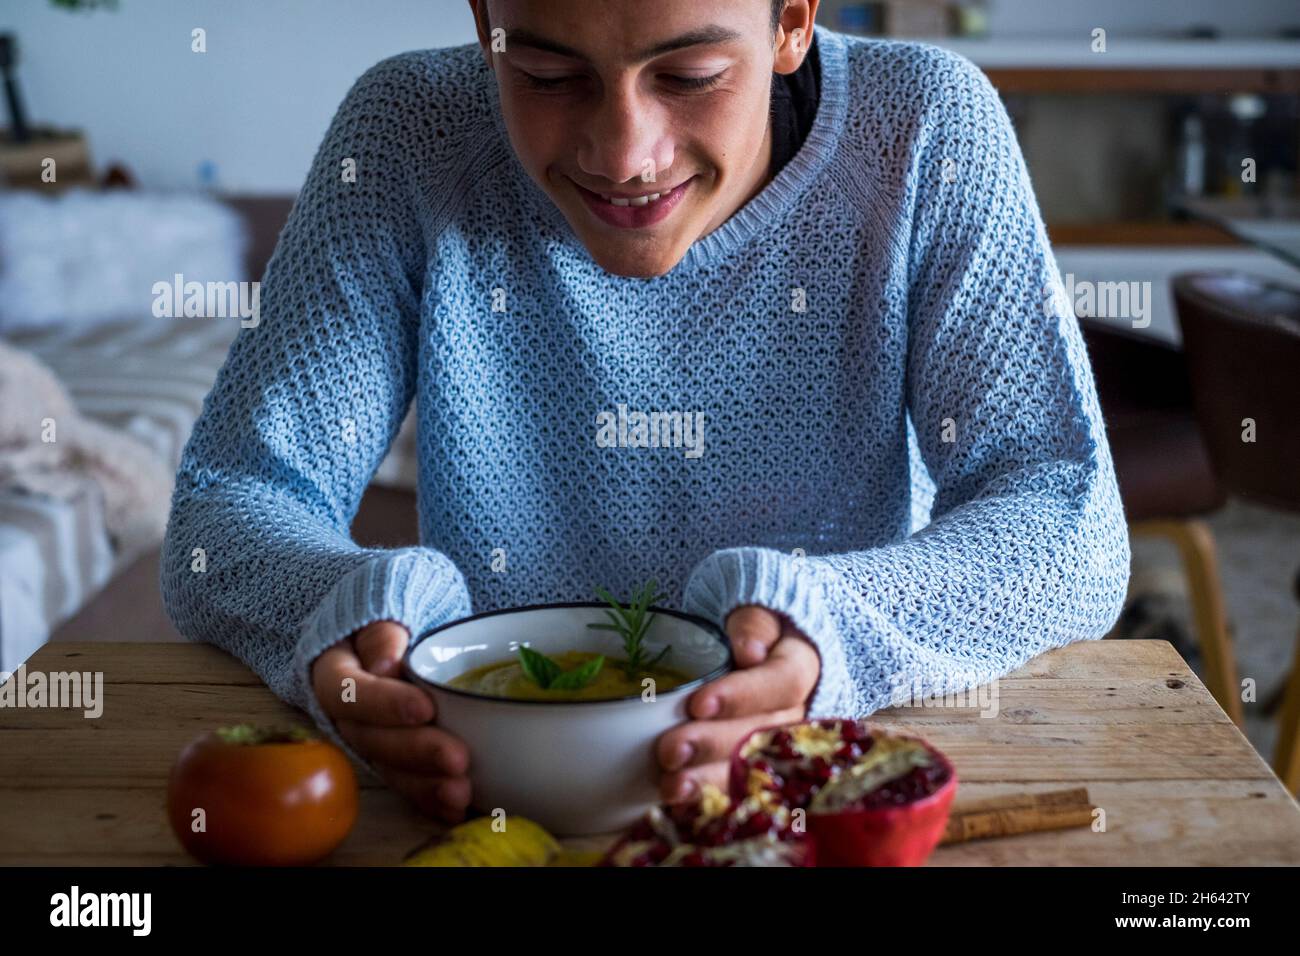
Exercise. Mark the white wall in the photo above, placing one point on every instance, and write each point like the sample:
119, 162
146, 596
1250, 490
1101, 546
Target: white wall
258, 102
1234, 18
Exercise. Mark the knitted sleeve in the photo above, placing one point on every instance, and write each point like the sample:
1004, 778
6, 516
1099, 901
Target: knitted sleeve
1027, 548
258, 558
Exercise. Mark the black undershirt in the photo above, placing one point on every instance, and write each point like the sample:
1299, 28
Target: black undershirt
794, 104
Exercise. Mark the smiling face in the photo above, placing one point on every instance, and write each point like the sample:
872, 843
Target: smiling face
646, 124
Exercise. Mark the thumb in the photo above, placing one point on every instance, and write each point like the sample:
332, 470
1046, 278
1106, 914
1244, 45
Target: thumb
380, 647
752, 631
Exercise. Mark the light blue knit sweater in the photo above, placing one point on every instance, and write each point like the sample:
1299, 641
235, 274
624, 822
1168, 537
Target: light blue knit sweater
900, 442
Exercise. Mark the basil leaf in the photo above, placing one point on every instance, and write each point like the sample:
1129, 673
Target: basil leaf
579, 677
537, 667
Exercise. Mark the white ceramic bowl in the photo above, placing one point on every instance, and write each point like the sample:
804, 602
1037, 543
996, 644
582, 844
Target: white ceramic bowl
575, 767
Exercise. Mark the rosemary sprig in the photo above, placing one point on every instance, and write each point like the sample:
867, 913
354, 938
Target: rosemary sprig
631, 623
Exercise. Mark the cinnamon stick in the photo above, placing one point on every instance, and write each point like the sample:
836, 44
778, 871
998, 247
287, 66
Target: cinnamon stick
1018, 813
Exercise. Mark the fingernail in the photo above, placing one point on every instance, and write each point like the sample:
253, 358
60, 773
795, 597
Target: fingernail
686, 789
755, 648
682, 756
709, 707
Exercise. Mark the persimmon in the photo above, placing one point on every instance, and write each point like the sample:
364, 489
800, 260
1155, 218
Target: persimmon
250, 796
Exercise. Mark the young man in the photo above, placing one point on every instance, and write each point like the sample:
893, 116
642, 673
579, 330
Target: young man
822, 251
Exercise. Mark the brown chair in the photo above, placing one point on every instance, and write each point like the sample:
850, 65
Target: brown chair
1165, 478
264, 217
1241, 336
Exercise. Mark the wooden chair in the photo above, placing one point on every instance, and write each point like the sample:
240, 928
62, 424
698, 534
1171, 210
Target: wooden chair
1241, 338
1165, 478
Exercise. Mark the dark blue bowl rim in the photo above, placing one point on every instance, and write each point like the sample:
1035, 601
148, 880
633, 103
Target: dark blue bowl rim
702, 622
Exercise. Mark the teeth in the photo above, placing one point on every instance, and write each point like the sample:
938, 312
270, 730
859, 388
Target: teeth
636, 201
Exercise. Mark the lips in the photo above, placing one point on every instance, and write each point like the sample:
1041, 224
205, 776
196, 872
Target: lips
639, 211
872, 798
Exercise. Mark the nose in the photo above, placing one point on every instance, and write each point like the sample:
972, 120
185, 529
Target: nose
626, 137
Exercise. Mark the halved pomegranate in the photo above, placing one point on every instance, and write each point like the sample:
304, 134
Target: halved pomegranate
871, 798
714, 831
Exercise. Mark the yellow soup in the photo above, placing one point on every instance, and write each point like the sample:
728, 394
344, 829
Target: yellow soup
507, 679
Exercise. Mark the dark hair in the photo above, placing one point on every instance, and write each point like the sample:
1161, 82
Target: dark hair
778, 7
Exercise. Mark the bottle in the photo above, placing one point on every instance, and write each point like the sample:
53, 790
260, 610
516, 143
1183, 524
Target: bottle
1245, 108
971, 18
207, 172
1191, 157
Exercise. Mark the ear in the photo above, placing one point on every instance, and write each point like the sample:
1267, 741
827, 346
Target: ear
793, 35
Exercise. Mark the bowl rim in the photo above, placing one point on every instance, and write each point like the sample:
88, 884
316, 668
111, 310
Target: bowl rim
707, 625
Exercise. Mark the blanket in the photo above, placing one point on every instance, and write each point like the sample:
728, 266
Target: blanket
47, 447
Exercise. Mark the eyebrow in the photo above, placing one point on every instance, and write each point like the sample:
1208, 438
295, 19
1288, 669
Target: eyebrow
704, 35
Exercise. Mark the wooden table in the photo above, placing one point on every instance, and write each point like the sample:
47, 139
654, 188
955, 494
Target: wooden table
1129, 720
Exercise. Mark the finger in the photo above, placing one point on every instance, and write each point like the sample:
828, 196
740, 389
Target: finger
347, 691
752, 631
701, 742
424, 750
807, 660
776, 684
380, 647
443, 797
686, 785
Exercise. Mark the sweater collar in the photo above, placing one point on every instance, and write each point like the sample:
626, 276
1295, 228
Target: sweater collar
765, 209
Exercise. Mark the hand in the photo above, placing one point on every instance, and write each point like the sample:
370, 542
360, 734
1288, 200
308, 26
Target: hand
776, 670
388, 721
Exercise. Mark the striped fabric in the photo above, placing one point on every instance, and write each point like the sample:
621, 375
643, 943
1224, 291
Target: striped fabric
148, 378
54, 555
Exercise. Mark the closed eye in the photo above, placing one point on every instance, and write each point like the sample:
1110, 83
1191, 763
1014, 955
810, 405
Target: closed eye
684, 84
693, 84
547, 83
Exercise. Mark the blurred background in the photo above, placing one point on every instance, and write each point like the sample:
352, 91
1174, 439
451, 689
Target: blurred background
147, 138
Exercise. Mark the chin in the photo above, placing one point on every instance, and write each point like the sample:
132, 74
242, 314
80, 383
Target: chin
633, 263
635, 267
